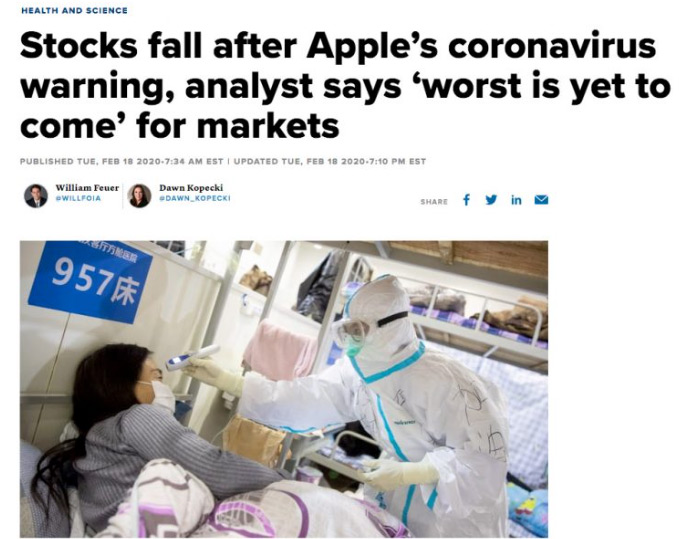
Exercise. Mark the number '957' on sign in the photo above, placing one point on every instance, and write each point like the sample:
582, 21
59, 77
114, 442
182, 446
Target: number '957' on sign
94, 278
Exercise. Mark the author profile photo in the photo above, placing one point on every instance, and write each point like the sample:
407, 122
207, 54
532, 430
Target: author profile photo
35, 196
140, 196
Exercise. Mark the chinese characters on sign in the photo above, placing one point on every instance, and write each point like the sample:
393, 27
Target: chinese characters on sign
94, 278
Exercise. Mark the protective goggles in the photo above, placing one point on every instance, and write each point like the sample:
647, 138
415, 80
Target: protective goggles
353, 333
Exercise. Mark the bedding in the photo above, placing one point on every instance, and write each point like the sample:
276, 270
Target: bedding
518, 320
446, 299
517, 530
459, 320
528, 509
168, 501
34, 522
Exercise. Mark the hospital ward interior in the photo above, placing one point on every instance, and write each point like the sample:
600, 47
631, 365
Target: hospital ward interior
284, 389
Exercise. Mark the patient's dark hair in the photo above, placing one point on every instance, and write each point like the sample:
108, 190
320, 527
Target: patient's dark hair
104, 386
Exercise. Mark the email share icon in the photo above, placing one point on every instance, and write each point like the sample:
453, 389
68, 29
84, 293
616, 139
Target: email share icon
541, 200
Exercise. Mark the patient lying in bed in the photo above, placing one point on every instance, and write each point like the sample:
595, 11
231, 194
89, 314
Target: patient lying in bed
166, 500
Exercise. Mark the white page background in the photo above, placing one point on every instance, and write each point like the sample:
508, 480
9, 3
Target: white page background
609, 167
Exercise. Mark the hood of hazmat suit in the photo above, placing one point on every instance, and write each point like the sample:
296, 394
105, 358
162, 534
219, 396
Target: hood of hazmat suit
417, 404
374, 303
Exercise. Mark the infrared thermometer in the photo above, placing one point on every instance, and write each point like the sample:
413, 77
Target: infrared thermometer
179, 362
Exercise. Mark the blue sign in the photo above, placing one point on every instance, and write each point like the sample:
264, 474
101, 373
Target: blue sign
103, 279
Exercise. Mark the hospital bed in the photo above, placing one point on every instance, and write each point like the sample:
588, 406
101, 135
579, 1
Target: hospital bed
166, 500
474, 335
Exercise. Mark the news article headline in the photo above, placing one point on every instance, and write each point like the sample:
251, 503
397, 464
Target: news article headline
341, 51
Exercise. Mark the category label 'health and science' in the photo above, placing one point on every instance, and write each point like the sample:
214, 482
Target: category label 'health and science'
102, 279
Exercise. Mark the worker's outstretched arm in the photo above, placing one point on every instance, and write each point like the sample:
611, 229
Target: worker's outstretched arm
300, 405
207, 371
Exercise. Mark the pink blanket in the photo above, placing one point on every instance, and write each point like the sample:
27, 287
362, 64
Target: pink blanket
280, 354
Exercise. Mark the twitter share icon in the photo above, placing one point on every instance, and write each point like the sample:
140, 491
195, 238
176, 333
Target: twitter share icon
491, 199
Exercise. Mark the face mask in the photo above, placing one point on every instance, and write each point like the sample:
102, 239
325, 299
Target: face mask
163, 395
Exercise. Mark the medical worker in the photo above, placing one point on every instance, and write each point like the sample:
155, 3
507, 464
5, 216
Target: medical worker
442, 428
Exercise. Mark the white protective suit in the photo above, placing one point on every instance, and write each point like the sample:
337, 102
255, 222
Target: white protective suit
417, 404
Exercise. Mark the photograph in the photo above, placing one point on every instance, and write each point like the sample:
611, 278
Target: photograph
402, 383
140, 196
35, 196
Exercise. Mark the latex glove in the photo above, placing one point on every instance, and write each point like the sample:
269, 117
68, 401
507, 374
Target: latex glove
390, 474
207, 371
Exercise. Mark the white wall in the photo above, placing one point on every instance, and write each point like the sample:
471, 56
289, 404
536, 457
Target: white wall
171, 318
